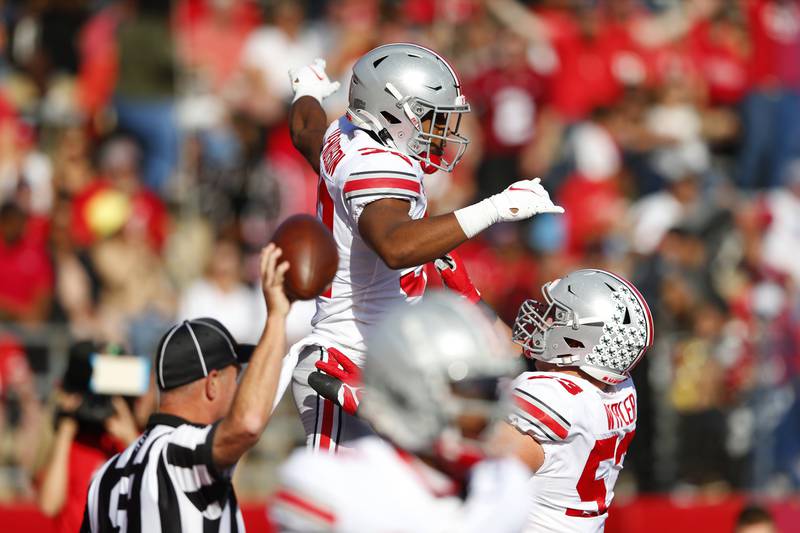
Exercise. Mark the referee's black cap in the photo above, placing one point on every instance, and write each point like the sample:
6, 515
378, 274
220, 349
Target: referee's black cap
193, 348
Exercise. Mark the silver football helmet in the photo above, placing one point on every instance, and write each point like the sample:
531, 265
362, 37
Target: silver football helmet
395, 88
590, 319
428, 364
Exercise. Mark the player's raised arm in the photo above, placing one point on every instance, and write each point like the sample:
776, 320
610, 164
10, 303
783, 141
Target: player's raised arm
307, 120
404, 242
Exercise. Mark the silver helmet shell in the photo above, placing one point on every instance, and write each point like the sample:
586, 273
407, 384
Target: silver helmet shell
590, 319
395, 87
417, 358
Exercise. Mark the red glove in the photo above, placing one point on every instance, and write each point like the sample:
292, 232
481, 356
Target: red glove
455, 276
339, 385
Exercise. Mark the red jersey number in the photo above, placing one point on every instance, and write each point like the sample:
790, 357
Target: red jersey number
325, 213
592, 489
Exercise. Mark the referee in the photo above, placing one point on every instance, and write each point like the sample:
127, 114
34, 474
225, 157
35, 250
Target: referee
177, 476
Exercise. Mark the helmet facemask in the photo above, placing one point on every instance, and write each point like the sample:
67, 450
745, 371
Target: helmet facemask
534, 320
436, 142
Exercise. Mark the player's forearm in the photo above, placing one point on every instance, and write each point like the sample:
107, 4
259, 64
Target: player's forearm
252, 405
416, 242
307, 125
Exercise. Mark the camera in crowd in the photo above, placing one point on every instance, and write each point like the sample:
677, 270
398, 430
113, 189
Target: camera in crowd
98, 373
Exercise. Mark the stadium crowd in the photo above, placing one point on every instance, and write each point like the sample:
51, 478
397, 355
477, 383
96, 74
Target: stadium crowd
145, 159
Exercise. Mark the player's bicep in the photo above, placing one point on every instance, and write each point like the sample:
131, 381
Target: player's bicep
377, 221
521, 445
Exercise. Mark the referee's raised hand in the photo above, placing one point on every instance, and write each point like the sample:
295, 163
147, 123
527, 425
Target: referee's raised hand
272, 276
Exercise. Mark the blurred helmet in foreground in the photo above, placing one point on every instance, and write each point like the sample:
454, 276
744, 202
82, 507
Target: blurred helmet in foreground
395, 88
590, 319
429, 367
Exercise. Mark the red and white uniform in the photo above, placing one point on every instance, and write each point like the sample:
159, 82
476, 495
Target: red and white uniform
355, 170
373, 487
585, 433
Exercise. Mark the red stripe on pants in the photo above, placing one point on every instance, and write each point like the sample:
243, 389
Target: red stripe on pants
327, 425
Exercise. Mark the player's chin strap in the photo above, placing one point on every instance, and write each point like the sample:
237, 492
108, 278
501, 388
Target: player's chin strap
364, 119
402, 102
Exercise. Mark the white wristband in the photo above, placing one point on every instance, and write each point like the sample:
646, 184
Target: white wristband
477, 217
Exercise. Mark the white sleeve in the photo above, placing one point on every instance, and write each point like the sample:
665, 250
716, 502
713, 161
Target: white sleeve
376, 174
542, 407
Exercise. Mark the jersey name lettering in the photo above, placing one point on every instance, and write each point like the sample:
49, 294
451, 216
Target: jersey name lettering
332, 153
621, 414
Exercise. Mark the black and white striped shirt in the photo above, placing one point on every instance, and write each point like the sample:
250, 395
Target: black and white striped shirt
164, 482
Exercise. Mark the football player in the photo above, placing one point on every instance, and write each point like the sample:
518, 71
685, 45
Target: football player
431, 390
405, 108
575, 417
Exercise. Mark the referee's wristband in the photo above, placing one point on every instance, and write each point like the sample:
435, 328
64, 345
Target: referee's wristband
475, 218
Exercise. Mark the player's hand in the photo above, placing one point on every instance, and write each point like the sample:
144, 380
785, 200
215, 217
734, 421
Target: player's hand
345, 396
523, 199
349, 372
272, 275
520, 201
338, 380
455, 276
311, 80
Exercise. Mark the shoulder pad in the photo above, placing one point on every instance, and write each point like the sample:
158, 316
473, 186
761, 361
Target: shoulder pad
544, 405
381, 172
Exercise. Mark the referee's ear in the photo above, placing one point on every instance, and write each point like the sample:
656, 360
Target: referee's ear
213, 385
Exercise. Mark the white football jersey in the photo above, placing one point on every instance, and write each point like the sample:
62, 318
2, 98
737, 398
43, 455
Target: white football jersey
354, 171
585, 433
376, 488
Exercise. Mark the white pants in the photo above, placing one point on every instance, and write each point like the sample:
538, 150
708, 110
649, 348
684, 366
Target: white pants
326, 425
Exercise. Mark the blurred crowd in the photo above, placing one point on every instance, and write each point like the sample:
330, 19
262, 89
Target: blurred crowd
145, 159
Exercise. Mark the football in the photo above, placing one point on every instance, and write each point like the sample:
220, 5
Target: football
311, 251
